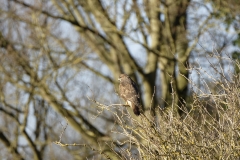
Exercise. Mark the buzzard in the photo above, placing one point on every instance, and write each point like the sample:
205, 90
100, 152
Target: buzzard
128, 90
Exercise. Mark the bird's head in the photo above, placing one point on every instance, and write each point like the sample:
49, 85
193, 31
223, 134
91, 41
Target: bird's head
121, 77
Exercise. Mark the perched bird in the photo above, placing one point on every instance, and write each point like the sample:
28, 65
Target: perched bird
128, 90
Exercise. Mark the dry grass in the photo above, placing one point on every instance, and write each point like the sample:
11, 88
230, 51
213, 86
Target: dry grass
209, 130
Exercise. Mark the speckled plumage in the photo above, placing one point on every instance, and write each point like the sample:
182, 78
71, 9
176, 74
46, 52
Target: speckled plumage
128, 90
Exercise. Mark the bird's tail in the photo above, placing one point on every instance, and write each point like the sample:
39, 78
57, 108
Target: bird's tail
136, 110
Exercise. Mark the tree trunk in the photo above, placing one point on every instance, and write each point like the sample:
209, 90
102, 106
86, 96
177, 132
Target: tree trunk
175, 48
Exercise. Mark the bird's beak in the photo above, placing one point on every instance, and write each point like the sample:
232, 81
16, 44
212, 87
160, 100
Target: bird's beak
119, 79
